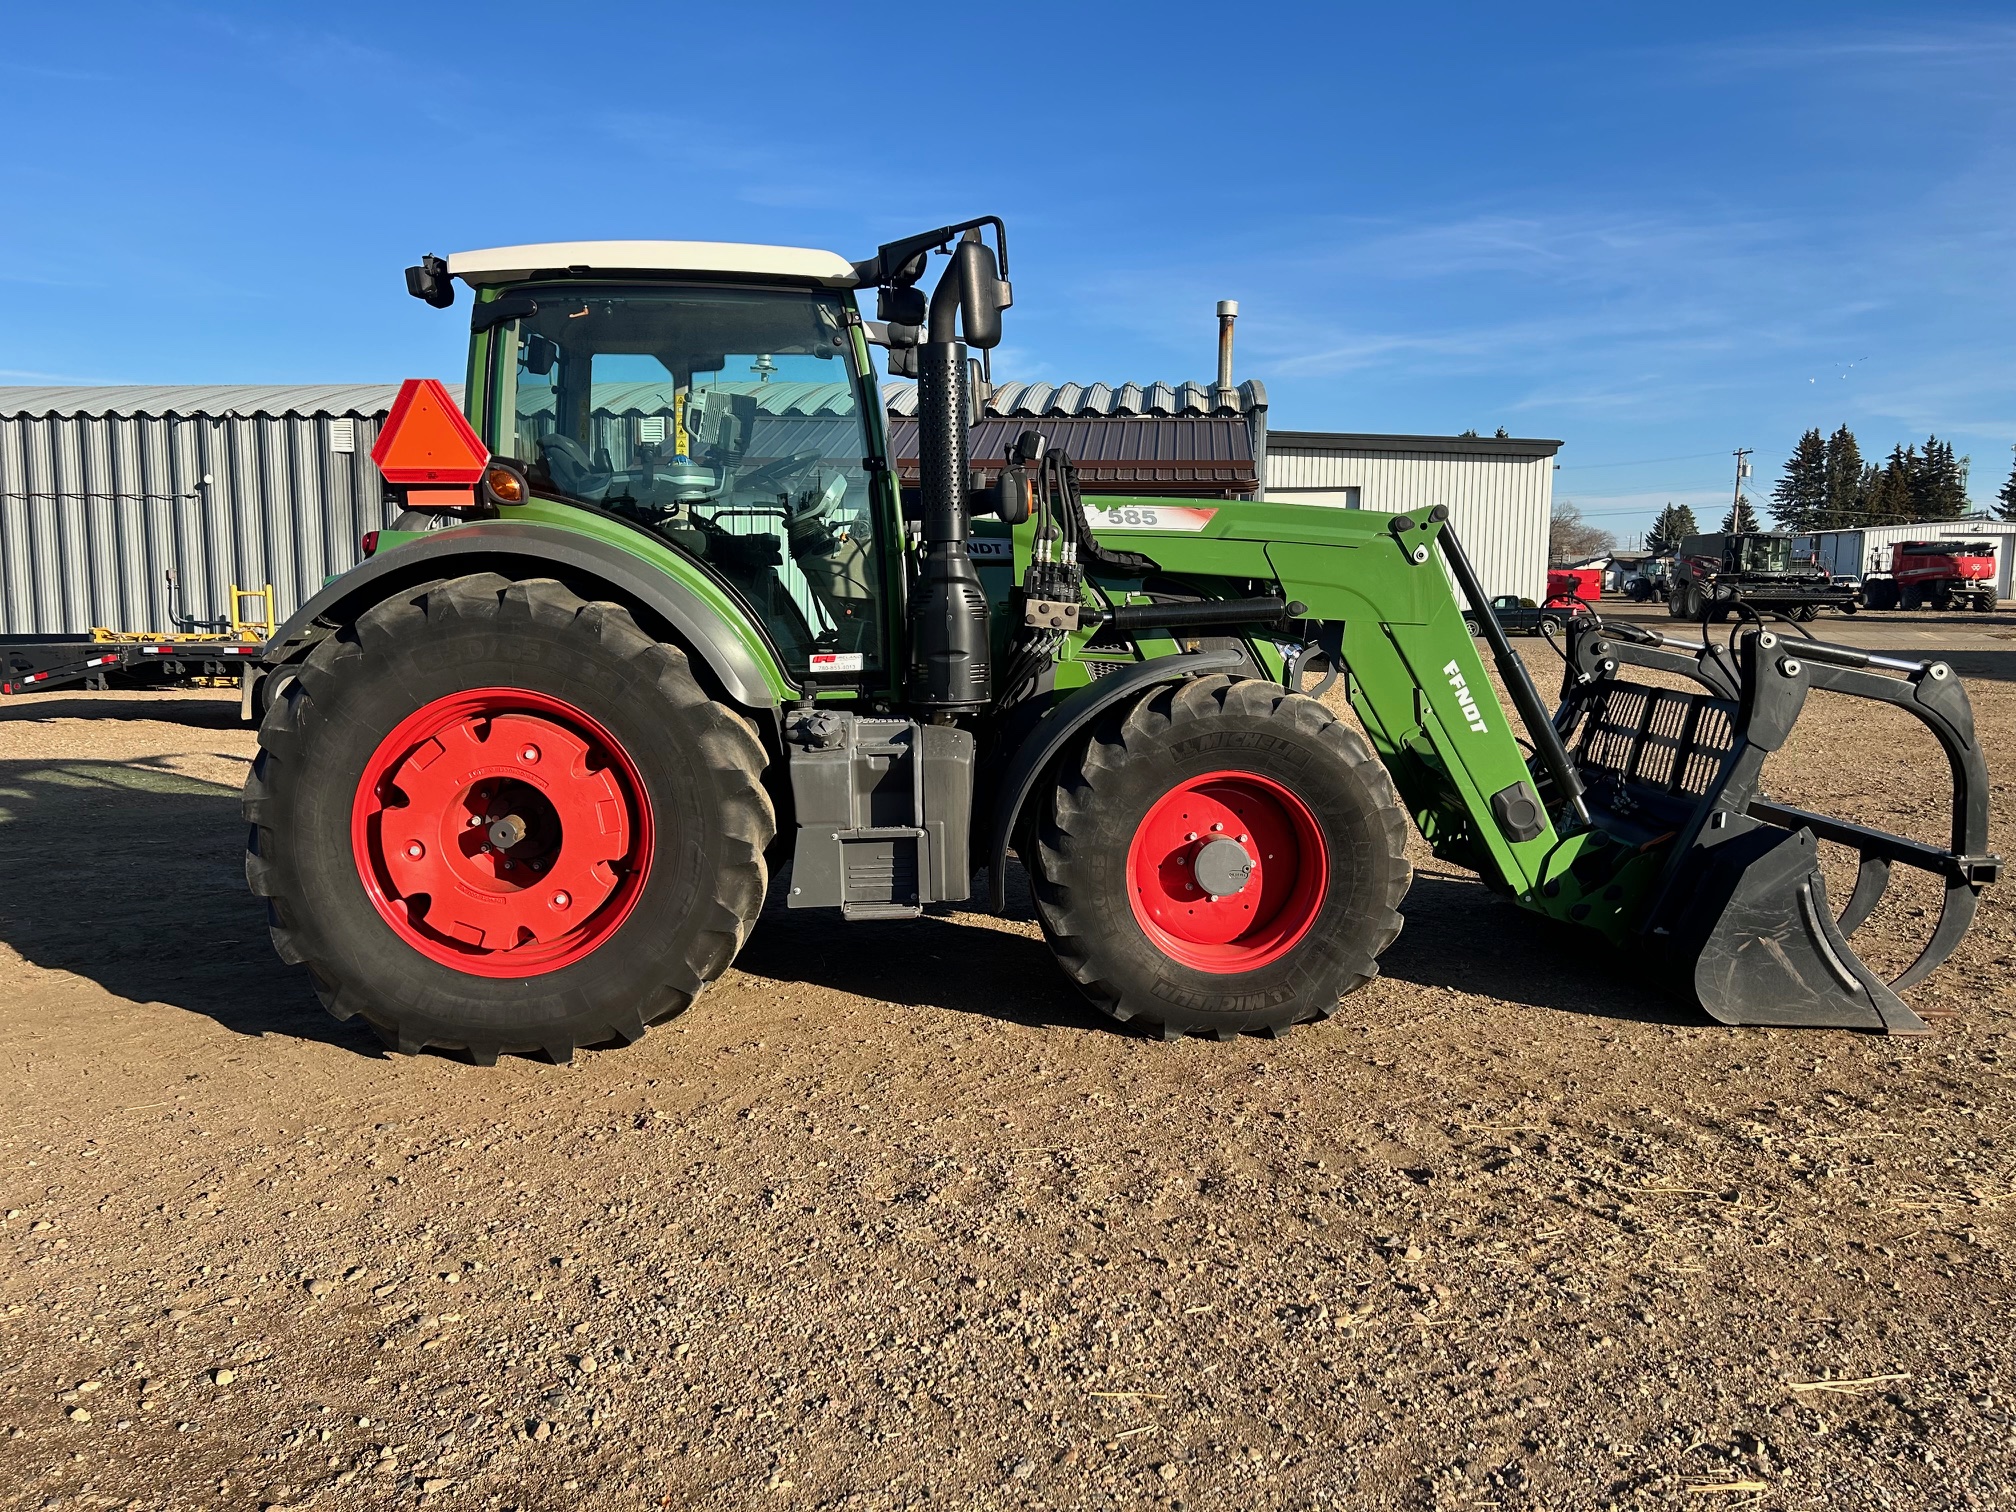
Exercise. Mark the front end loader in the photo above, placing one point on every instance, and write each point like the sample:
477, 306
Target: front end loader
656, 618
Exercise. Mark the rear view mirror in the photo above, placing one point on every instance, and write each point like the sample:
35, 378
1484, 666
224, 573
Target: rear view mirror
430, 281
904, 306
982, 294
541, 353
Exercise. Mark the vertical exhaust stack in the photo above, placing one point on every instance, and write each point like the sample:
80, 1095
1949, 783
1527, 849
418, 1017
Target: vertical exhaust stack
949, 652
1228, 311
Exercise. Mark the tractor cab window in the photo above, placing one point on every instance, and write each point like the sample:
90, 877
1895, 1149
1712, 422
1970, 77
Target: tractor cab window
1764, 553
726, 421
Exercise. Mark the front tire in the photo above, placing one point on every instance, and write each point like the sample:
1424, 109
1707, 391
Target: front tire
1221, 857
491, 816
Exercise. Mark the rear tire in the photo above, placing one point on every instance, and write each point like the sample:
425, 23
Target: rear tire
1328, 846
1805, 614
1472, 627
654, 815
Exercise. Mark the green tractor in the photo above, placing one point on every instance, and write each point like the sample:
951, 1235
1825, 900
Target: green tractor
658, 619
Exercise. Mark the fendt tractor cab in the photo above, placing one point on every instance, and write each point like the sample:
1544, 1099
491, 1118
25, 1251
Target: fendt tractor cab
1715, 576
657, 619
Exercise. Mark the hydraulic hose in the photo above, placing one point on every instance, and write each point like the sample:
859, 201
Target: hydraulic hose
1525, 697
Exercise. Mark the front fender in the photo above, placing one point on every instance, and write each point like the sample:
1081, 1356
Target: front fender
1053, 732
695, 608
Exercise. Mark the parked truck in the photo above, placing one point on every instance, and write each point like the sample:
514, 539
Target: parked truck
1715, 576
1934, 575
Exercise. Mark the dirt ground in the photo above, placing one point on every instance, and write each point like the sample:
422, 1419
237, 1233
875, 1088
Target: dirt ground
891, 1219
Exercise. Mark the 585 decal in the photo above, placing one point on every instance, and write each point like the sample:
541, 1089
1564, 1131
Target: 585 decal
1147, 517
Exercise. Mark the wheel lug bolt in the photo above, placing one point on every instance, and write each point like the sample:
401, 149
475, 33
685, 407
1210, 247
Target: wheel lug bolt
474, 820
1191, 836
530, 755
416, 850
561, 900
1216, 828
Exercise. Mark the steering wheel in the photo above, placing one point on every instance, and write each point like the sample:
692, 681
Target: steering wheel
772, 473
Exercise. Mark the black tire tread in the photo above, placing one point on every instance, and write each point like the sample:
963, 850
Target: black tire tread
1145, 724
727, 741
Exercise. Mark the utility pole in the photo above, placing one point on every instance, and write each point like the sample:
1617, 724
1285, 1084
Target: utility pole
1742, 472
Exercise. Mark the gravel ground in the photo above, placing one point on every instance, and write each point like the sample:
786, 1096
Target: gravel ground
891, 1219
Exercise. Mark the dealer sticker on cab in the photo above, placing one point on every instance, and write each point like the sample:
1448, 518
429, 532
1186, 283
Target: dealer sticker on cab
1148, 517
836, 661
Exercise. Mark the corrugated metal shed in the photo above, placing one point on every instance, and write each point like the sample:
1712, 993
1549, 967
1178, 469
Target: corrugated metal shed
105, 491
1856, 553
1500, 491
214, 399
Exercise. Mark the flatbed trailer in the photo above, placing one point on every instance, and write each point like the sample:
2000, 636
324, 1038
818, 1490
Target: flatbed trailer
44, 663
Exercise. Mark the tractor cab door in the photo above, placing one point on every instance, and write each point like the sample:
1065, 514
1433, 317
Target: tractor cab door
730, 422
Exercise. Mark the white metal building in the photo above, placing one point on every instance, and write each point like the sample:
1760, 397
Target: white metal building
1500, 490
1856, 553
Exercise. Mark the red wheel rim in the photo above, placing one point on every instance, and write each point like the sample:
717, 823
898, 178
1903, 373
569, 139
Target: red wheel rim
1170, 877
501, 832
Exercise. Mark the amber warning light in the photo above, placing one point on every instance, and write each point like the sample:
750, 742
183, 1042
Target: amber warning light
429, 448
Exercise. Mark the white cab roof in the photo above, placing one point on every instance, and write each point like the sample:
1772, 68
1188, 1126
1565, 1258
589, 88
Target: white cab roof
506, 264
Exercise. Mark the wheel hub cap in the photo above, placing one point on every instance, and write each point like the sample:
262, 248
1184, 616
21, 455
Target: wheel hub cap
501, 832
1227, 872
1223, 867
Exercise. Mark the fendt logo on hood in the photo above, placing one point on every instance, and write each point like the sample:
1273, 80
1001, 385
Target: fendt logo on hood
1464, 699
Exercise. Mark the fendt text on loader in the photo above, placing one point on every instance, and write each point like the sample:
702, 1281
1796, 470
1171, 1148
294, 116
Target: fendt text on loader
658, 617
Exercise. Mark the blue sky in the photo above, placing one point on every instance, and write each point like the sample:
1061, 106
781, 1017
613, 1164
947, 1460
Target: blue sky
1655, 236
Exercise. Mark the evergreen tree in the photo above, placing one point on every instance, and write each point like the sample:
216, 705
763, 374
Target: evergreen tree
1891, 498
2008, 496
1847, 486
1741, 519
1676, 522
1800, 497
1939, 486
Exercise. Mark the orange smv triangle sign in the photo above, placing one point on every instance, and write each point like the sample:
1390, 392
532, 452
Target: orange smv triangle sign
427, 439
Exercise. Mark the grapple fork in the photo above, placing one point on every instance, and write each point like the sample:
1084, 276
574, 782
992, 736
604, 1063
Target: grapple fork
1741, 908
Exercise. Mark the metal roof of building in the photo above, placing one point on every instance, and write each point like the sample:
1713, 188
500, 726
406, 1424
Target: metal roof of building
220, 399
1207, 456
1064, 401
1352, 441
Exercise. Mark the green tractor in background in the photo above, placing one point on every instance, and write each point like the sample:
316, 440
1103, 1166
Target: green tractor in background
657, 619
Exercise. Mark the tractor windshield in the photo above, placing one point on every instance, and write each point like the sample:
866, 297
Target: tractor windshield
1765, 553
727, 421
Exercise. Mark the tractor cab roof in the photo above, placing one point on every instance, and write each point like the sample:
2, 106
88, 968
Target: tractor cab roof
498, 265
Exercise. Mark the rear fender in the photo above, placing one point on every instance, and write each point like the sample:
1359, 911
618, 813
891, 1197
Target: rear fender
698, 614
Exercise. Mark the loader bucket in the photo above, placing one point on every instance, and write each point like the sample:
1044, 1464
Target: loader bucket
1740, 913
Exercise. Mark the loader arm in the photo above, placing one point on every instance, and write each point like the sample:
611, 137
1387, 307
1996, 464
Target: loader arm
1375, 591
1675, 848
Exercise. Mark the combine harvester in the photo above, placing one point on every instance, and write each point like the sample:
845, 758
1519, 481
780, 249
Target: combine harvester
658, 618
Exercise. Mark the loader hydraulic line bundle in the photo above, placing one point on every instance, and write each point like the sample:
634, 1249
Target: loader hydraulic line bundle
657, 618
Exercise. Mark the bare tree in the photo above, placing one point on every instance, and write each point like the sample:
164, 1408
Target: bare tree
1572, 538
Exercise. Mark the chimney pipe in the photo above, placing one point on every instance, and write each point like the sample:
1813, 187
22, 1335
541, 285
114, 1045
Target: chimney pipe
1228, 311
